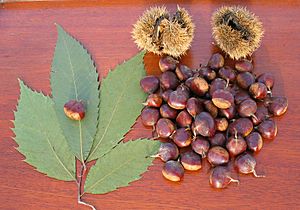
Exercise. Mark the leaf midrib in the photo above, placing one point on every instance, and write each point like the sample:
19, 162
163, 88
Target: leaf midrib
76, 95
48, 140
112, 116
111, 172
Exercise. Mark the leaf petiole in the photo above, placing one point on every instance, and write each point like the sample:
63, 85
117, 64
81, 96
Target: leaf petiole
79, 186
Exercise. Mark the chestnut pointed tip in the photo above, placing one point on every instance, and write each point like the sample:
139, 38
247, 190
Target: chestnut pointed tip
156, 137
269, 92
258, 176
254, 116
234, 180
154, 156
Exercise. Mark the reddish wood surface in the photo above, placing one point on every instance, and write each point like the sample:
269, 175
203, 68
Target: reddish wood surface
27, 41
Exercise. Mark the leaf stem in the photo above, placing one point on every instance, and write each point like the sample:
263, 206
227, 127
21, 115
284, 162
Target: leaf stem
86, 204
80, 185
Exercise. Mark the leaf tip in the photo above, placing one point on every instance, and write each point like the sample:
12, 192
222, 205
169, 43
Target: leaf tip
57, 25
20, 80
21, 83
59, 28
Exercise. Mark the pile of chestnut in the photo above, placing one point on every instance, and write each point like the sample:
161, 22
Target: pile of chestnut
216, 112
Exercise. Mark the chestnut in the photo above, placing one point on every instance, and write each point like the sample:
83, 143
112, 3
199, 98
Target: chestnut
222, 99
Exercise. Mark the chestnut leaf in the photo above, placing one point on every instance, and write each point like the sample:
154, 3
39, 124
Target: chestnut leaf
120, 104
40, 138
74, 76
51, 142
122, 165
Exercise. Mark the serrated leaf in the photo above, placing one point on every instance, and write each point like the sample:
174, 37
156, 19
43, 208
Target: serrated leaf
120, 104
40, 138
74, 76
122, 165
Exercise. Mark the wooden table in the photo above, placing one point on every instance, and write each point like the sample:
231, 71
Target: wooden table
27, 42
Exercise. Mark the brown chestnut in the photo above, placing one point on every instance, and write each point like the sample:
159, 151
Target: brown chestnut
204, 125
217, 156
222, 99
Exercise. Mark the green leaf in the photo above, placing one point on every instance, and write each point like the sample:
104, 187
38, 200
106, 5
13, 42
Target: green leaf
120, 104
74, 76
40, 138
122, 165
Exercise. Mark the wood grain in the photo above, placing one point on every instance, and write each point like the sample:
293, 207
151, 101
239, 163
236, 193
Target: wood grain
27, 42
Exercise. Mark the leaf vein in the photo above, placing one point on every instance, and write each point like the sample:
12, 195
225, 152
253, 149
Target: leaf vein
76, 95
51, 146
111, 172
112, 115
